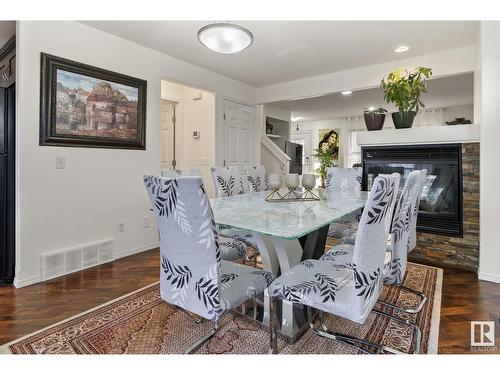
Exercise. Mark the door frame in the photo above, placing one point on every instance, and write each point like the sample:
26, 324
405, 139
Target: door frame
178, 133
256, 148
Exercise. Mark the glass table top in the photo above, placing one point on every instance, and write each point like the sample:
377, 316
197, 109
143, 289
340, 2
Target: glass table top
288, 220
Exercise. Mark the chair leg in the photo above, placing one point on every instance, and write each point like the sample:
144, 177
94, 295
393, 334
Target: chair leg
195, 318
418, 334
414, 310
273, 322
201, 341
358, 343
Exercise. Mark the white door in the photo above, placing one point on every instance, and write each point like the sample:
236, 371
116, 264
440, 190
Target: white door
241, 139
304, 139
168, 137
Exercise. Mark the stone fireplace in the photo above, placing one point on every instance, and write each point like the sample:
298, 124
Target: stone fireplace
448, 224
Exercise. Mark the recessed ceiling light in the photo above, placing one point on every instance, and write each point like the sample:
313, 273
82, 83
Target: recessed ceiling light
371, 109
347, 92
225, 38
402, 48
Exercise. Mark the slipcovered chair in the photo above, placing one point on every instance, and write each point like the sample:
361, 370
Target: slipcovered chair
230, 248
338, 181
193, 277
187, 172
351, 291
257, 178
230, 181
413, 227
397, 252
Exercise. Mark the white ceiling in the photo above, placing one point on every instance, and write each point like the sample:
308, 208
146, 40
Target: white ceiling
441, 92
289, 50
7, 29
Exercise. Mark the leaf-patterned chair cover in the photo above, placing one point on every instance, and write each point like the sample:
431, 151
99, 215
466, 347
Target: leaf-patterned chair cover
352, 291
192, 274
230, 248
230, 181
413, 225
338, 181
257, 178
396, 254
187, 172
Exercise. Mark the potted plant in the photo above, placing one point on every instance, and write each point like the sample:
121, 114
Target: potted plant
403, 88
374, 118
324, 156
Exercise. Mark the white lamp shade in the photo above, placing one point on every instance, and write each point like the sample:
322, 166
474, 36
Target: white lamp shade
225, 38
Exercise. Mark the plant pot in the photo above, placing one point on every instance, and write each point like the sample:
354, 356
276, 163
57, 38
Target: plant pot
403, 120
374, 121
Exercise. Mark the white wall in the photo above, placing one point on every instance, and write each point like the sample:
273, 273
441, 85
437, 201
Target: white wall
444, 63
489, 254
58, 209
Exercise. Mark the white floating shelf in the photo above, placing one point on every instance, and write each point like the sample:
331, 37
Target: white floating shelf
420, 135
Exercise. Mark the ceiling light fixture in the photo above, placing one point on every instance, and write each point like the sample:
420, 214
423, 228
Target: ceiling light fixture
347, 92
402, 48
225, 38
371, 108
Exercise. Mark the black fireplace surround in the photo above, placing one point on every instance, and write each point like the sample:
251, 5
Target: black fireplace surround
440, 210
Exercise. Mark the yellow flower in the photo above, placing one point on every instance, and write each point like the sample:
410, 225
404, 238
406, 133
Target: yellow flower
398, 74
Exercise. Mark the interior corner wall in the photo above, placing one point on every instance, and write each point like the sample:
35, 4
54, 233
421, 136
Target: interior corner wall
489, 248
60, 209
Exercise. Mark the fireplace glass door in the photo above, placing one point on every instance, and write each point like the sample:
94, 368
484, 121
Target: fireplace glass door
440, 208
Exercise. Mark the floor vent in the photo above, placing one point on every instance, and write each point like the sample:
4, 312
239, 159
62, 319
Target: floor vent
62, 262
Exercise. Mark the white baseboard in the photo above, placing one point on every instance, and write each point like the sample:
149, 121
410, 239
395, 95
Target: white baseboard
126, 253
28, 281
488, 277
122, 254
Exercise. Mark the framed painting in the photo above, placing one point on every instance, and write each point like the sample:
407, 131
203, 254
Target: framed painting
329, 139
85, 106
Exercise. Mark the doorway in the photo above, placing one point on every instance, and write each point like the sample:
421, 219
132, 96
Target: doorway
169, 134
187, 127
304, 139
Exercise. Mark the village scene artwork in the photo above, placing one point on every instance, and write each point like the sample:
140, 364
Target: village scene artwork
88, 106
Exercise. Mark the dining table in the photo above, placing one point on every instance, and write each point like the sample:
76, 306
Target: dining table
286, 233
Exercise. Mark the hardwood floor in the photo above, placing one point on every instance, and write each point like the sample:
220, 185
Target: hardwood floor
28, 309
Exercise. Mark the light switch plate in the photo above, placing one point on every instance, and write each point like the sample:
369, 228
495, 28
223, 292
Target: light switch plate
60, 162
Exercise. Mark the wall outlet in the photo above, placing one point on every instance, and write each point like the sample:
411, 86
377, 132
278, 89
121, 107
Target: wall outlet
60, 162
121, 226
147, 222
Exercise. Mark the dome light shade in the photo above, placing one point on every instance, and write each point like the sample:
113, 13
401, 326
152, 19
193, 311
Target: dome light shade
225, 38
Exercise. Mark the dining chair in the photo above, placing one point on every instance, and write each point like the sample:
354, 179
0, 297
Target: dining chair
397, 251
174, 173
257, 178
229, 181
339, 181
231, 249
350, 292
193, 277
413, 228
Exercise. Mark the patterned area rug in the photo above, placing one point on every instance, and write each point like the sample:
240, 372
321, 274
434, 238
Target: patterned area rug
141, 322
